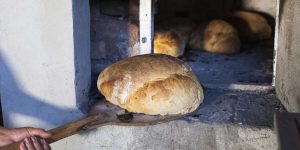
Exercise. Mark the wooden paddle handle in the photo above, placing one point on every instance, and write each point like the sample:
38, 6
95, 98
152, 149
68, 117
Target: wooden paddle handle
62, 131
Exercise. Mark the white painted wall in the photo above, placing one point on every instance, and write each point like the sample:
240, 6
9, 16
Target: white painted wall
39, 72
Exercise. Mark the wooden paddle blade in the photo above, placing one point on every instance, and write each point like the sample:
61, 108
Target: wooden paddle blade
72, 128
113, 116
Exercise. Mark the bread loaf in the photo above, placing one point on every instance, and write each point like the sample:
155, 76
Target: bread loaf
182, 27
169, 43
221, 37
251, 26
183, 31
151, 84
196, 41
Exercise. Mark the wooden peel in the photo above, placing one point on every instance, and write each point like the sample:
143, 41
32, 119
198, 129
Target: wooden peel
104, 114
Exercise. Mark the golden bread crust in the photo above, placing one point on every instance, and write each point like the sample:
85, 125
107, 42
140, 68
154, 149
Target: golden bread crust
251, 26
151, 84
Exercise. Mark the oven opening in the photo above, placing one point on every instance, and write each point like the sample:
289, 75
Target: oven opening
238, 82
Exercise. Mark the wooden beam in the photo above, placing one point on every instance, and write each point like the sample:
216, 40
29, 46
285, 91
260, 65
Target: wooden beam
146, 20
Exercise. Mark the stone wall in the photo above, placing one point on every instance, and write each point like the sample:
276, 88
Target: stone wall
114, 33
196, 10
202, 10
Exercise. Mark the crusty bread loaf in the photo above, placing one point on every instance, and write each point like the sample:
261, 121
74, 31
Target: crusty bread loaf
196, 41
182, 27
221, 37
169, 43
151, 84
251, 26
183, 31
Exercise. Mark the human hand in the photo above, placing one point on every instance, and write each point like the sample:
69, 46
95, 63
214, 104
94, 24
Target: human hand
32, 138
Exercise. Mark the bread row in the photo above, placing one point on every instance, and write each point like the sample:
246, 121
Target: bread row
217, 36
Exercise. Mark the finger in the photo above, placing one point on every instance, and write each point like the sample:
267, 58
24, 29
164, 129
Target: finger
38, 132
29, 144
37, 144
19, 134
23, 146
46, 146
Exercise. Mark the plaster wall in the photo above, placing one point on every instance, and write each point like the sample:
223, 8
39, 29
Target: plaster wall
44, 61
288, 53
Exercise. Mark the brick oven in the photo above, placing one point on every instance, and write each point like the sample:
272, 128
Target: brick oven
52, 52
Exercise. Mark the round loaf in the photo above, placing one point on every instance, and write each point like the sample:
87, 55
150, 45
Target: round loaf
196, 41
151, 84
221, 37
182, 27
169, 43
251, 26
183, 31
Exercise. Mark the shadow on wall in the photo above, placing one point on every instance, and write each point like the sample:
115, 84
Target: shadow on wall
26, 104
82, 62
1, 116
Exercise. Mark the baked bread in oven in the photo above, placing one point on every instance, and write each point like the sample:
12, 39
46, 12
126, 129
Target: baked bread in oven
251, 26
152, 84
169, 43
221, 37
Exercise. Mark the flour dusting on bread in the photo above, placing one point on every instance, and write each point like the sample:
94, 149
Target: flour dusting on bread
121, 89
